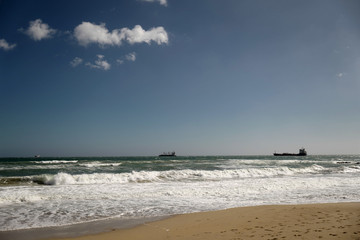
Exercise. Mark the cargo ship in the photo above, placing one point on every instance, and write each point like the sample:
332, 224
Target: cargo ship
168, 154
302, 152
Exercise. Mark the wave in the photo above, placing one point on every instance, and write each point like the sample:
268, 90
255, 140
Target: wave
98, 164
172, 175
63, 178
234, 163
353, 169
55, 161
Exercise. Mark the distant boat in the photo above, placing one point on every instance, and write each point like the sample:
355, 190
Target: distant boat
167, 154
36, 156
302, 152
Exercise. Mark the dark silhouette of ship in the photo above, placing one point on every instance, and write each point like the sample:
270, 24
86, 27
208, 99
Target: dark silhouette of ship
167, 154
302, 152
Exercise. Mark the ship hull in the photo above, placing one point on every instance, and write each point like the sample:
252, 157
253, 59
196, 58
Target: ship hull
167, 154
302, 152
289, 154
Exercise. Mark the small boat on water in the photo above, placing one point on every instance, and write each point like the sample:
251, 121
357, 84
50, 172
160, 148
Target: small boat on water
36, 156
302, 152
167, 154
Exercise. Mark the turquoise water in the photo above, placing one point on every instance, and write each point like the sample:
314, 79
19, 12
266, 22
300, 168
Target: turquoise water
47, 191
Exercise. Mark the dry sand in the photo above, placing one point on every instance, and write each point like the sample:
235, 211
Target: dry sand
314, 221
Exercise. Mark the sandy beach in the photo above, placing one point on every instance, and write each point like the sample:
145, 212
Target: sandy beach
313, 221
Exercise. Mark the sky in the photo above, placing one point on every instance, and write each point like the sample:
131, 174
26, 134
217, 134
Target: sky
205, 77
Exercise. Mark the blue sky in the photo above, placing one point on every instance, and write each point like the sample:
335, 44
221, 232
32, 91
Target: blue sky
109, 78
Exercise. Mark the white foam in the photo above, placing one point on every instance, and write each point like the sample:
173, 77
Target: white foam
173, 175
74, 198
99, 164
352, 169
56, 161
43, 206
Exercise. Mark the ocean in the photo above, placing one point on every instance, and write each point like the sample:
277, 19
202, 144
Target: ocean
50, 192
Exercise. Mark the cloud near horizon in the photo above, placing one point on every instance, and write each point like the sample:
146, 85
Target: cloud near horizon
5, 45
162, 2
100, 63
38, 30
87, 33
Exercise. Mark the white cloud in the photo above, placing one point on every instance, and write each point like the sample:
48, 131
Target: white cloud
139, 35
131, 56
76, 61
87, 33
340, 75
5, 45
100, 63
162, 2
38, 30
128, 57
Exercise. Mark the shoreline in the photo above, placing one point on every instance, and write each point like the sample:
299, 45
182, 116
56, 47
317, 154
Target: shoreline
300, 221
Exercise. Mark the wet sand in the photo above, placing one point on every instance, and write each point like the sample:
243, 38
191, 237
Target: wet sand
313, 221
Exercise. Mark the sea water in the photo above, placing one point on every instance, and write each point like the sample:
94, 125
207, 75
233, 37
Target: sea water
47, 192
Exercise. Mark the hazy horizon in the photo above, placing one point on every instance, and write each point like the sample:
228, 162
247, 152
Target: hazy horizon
177, 155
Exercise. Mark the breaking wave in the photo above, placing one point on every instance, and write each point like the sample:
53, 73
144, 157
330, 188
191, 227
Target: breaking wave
55, 161
172, 175
99, 164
